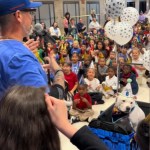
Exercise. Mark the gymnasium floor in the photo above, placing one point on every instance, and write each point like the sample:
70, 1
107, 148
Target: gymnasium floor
143, 95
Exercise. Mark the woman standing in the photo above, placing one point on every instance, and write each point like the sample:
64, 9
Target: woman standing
66, 22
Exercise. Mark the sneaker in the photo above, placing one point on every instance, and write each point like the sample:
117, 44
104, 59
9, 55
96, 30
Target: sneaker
101, 102
74, 119
107, 96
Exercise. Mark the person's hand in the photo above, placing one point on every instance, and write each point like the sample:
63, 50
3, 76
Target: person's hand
111, 87
46, 66
98, 88
71, 92
58, 114
83, 99
52, 54
124, 80
89, 86
103, 85
77, 101
57, 110
32, 45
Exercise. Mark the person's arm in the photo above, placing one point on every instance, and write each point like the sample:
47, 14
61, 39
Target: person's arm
86, 102
140, 67
75, 102
68, 103
74, 88
55, 108
59, 75
59, 32
114, 86
83, 138
51, 31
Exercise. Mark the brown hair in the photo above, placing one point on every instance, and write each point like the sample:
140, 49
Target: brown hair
25, 123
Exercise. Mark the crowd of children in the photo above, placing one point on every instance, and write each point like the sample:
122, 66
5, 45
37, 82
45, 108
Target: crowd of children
90, 64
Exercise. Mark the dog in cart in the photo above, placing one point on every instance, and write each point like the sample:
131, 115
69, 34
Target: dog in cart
127, 106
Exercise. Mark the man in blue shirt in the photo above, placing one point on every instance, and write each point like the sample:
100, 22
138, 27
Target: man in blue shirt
18, 65
80, 26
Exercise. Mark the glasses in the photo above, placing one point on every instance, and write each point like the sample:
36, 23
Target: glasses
31, 11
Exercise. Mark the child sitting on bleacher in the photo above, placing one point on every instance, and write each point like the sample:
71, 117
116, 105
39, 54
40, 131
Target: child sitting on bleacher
82, 105
109, 86
93, 87
102, 69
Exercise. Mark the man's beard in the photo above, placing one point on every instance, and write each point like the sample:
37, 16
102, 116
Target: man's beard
26, 30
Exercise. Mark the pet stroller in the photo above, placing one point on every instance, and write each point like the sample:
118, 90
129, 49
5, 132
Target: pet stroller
115, 135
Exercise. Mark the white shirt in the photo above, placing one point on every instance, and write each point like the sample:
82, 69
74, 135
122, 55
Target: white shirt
92, 85
94, 25
111, 82
138, 61
53, 33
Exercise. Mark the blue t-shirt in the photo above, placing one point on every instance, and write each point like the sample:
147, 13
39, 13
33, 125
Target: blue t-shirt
19, 66
75, 50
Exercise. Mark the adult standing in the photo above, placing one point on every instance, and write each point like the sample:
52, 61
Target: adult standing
66, 22
72, 29
18, 65
92, 15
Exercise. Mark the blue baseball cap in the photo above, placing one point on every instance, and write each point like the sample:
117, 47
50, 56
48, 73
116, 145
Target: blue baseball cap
10, 6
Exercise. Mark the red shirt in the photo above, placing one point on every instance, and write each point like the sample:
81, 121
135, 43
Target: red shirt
82, 105
71, 79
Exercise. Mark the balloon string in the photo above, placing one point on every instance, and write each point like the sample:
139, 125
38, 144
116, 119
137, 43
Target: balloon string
118, 66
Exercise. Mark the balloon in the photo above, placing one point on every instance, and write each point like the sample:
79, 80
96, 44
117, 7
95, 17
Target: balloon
114, 8
123, 33
146, 59
109, 29
130, 15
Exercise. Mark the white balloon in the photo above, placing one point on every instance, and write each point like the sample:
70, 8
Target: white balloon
109, 29
123, 33
130, 15
114, 8
146, 59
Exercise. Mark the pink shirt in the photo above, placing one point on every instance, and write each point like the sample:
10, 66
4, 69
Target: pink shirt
65, 22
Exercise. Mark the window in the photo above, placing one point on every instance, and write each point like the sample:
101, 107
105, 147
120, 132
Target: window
142, 6
72, 8
45, 13
95, 6
130, 4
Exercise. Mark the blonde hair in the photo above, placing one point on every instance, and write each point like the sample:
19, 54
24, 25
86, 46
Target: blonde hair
93, 69
137, 49
76, 42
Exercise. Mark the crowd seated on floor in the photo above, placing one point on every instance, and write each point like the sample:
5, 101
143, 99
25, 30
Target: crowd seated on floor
89, 60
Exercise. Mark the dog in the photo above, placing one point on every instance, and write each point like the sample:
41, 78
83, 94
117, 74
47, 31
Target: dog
128, 105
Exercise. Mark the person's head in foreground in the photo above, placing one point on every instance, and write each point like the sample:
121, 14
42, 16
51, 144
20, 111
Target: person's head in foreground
143, 134
16, 15
25, 123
